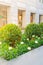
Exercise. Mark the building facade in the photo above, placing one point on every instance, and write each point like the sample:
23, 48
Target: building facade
21, 12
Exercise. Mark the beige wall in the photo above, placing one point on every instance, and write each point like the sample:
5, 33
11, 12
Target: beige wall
27, 5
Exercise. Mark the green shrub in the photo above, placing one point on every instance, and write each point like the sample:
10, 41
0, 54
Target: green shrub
32, 29
10, 33
41, 26
41, 42
42, 36
8, 52
34, 44
24, 39
22, 48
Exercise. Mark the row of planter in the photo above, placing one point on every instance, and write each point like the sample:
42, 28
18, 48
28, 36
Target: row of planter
13, 43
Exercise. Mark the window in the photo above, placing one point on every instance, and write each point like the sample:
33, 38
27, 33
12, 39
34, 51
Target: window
32, 17
21, 18
40, 18
3, 15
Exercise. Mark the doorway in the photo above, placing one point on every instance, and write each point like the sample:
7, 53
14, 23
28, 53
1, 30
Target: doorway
21, 18
32, 18
40, 18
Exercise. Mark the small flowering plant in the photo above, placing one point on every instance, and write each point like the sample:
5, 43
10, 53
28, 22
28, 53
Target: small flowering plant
27, 39
33, 36
36, 41
22, 42
29, 48
10, 48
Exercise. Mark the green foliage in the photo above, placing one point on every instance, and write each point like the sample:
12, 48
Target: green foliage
42, 36
10, 33
33, 45
22, 48
24, 39
40, 42
32, 29
8, 53
41, 26
14, 44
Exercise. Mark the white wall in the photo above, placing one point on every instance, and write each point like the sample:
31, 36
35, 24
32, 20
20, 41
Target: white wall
29, 6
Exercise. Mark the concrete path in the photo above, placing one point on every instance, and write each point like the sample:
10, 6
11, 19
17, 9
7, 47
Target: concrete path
34, 57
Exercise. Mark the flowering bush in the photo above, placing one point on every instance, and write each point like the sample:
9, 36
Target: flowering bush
24, 39
10, 33
22, 48
32, 29
8, 52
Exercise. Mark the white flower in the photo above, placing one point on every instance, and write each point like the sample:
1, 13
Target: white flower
33, 35
10, 48
38, 37
27, 38
22, 42
29, 48
0, 42
36, 41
